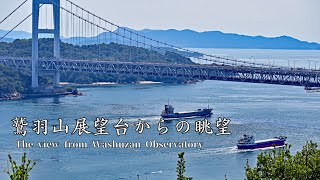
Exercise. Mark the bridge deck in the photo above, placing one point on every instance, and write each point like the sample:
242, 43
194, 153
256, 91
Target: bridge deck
282, 76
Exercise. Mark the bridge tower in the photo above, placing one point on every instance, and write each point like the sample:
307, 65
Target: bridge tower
35, 39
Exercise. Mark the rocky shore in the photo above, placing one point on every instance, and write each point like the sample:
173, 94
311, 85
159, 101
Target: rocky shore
13, 96
71, 89
17, 96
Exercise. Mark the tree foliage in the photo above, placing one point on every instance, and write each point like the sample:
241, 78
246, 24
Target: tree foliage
12, 81
20, 172
16, 81
104, 52
181, 167
280, 164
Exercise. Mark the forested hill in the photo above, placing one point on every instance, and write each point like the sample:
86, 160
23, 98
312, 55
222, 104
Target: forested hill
13, 81
107, 52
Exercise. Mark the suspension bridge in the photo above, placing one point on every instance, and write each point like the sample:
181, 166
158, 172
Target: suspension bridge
75, 25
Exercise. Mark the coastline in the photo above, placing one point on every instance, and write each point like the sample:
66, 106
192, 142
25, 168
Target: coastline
12, 96
98, 84
18, 96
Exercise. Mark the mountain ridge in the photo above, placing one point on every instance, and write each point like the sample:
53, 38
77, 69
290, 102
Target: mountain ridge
192, 39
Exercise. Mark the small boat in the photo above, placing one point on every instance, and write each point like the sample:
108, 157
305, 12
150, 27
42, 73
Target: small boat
249, 142
168, 113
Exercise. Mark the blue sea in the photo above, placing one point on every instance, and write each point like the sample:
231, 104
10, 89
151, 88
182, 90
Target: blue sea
259, 109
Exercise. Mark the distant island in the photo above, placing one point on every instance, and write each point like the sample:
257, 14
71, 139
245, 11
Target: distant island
218, 39
192, 39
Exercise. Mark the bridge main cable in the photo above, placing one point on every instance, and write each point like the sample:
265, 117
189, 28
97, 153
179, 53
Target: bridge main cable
223, 60
159, 42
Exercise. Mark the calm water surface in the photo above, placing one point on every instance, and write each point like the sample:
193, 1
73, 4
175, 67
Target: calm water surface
259, 109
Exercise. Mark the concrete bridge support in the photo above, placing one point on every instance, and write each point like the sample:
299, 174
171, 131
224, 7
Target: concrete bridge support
35, 38
56, 79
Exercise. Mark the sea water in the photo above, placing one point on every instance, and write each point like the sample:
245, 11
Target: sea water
258, 109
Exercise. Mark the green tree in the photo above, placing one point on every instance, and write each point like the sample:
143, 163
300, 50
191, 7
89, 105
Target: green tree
82, 79
12, 81
280, 164
20, 172
181, 167
104, 52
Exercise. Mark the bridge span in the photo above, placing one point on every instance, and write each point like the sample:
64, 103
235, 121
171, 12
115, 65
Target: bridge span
280, 76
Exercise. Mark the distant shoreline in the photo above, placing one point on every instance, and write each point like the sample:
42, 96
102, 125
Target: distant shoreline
208, 39
19, 96
97, 84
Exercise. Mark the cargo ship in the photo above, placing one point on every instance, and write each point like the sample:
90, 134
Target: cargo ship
249, 142
168, 113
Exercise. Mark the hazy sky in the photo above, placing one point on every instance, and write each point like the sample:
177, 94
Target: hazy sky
296, 18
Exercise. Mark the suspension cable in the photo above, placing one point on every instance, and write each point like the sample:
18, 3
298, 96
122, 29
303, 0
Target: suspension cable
13, 11
18, 25
131, 32
165, 46
138, 35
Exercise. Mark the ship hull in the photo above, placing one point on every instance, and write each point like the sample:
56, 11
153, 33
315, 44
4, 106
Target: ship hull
203, 113
262, 144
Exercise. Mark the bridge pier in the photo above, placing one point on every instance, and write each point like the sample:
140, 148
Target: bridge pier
35, 38
56, 88
54, 74
56, 79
